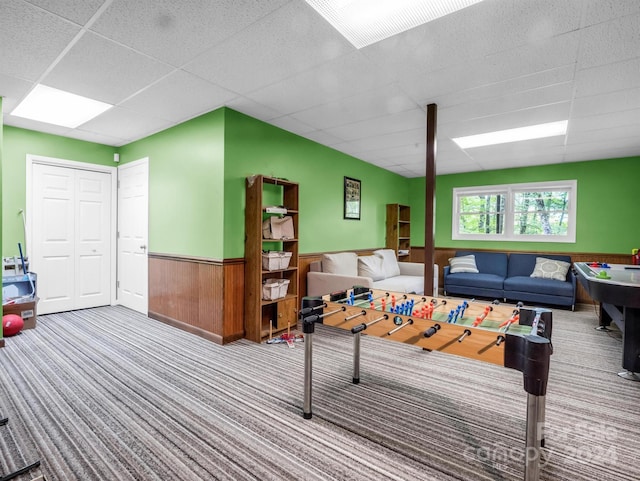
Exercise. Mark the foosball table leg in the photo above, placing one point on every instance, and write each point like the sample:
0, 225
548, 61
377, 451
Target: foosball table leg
308, 362
356, 358
534, 440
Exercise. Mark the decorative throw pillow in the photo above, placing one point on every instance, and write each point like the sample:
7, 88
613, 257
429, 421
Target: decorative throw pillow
343, 263
372, 267
550, 269
389, 262
463, 264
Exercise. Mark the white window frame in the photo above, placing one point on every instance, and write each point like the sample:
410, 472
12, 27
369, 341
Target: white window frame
509, 190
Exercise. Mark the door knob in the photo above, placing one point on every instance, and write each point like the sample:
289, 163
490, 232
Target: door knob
143, 247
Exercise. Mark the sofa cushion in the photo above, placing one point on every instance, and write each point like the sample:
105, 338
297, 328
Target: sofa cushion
402, 284
389, 262
463, 264
550, 269
537, 285
523, 264
343, 263
489, 262
469, 279
371, 266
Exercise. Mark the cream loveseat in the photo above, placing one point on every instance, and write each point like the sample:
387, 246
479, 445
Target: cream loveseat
343, 270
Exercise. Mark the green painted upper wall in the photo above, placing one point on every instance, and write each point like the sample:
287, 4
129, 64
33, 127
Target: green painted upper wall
197, 173
186, 186
17, 144
255, 147
607, 196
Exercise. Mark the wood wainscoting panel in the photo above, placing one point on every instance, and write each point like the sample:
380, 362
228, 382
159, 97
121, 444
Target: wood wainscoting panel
198, 295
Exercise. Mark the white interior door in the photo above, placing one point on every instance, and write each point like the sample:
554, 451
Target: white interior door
71, 237
93, 247
133, 222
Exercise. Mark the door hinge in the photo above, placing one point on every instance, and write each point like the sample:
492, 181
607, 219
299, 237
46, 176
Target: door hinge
118, 284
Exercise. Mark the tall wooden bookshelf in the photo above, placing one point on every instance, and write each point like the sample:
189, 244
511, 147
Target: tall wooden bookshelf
398, 235
262, 317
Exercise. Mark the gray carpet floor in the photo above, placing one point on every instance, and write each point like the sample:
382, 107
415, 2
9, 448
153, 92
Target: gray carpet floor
108, 394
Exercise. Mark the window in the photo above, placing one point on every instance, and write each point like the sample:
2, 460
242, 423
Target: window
542, 212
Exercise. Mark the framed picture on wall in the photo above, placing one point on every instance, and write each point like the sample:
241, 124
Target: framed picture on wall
352, 191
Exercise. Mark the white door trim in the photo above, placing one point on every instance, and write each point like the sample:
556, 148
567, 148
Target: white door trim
73, 164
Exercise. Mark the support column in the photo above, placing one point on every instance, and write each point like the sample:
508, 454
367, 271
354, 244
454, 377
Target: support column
430, 197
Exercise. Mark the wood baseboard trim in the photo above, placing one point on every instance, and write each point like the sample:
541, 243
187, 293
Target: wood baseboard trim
1, 342
187, 327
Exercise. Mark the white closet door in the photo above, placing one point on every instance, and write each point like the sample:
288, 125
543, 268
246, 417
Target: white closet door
93, 204
71, 237
133, 221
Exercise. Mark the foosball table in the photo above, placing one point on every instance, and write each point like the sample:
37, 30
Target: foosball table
511, 336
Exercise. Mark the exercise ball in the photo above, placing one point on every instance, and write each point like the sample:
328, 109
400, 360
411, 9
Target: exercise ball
12, 324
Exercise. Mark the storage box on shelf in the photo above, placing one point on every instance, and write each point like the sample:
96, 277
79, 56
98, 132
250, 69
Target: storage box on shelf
271, 256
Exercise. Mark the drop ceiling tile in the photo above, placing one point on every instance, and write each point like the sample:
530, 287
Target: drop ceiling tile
610, 42
78, 12
285, 43
407, 120
291, 125
323, 138
103, 70
608, 78
594, 151
177, 31
546, 78
508, 120
183, 96
407, 139
619, 119
405, 149
253, 109
125, 124
511, 64
35, 125
383, 101
599, 11
97, 138
12, 90
31, 39
513, 151
608, 135
338, 79
562, 92
607, 103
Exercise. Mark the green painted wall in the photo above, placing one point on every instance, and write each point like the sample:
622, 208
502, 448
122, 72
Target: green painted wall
17, 144
186, 186
255, 147
607, 199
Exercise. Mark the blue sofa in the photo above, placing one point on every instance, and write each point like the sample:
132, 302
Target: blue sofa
508, 277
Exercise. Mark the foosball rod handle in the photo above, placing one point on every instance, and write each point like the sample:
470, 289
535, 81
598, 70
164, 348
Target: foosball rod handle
432, 330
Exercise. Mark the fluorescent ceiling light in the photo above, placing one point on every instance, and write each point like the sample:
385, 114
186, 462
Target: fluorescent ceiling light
364, 22
539, 131
58, 107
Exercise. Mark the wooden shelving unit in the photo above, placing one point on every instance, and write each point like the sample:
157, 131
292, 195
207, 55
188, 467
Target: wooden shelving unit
398, 235
264, 316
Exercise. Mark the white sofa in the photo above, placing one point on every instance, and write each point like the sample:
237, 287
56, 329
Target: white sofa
343, 270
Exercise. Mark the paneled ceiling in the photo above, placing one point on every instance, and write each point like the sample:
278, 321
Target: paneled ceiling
495, 65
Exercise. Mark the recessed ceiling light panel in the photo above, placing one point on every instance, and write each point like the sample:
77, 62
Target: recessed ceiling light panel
550, 129
364, 22
58, 107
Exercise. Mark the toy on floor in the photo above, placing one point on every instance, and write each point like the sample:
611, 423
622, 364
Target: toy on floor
12, 324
